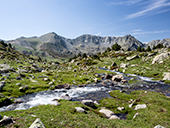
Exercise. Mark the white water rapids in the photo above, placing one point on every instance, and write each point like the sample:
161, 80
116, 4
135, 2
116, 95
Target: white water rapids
47, 97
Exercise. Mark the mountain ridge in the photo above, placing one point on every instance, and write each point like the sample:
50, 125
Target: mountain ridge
58, 46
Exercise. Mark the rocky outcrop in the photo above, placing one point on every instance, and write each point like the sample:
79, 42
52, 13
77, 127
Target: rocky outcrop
6, 120
160, 57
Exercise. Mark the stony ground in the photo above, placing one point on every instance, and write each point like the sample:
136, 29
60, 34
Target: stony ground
22, 75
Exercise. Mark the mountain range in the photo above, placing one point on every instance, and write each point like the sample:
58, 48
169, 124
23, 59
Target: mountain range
56, 46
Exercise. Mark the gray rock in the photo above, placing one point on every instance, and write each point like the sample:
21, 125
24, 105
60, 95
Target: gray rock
106, 112
37, 124
81, 110
117, 78
46, 79
166, 76
55, 102
19, 100
6, 120
159, 126
113, 117
4, 68
132, 57
89, 103
140, 106
160, 57
123, 65
120, 108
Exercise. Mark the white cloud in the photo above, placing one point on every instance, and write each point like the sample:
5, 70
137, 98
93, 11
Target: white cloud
126, 2
149, 32
136, 30
155, 4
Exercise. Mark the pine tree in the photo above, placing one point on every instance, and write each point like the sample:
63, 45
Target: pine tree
116, 47
148, 49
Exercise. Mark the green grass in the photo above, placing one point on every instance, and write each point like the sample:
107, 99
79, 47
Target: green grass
157, 112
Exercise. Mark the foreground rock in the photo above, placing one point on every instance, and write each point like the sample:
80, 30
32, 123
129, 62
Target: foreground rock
6, 120
140, 106
159, 126
106, 112
81, 110
37, 124
160, 57
117, 78
89, 103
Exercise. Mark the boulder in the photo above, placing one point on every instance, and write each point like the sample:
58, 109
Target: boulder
19, 100
89, 103
117, 78
81, 110
65, 86
4, 68
166, 76
140, 106
37, 124
106, 112
160, 57
132, 57
113, 117
23, 88
6, 120
55, 102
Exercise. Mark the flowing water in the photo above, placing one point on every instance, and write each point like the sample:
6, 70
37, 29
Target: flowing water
96, 91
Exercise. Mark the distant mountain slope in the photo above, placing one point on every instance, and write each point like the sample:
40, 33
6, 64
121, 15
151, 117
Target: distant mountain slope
54, 45
165, 42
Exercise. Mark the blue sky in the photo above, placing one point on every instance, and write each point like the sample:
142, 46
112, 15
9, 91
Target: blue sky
146, 20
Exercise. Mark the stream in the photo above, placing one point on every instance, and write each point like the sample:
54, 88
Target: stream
94, 91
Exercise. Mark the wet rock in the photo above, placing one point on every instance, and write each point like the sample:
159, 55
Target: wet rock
166, 76
120, 108
2, 84
117, 78
37, 124
113, 117
160, 57
108, 76
65, 86
106, 112
132, 57
159, 126
140, 106
81, 110
6, 120
65, 97
19, 100
89, 103
96, 80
